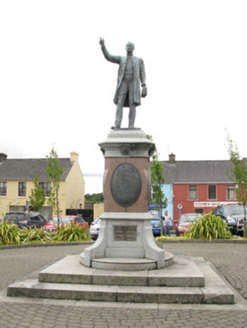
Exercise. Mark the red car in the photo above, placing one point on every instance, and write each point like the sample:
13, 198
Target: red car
66, 219
184, 221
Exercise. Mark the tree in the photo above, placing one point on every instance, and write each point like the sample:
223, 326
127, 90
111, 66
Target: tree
238, 175
37, 197
157, 181
97, 198
54, 171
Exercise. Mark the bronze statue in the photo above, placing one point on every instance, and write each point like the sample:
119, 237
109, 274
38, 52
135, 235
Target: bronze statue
131, 72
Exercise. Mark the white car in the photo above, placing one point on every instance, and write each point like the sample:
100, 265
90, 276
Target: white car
94, 228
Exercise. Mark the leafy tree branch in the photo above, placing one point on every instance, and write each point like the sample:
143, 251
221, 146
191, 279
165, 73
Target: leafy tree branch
37, 197
238, 175
157, 180
54, 171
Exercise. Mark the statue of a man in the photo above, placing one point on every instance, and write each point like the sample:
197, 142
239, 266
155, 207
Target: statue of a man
131, 72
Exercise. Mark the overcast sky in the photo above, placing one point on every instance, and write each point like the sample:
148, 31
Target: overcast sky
56, 88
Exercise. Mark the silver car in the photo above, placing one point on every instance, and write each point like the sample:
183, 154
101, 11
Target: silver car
94, 228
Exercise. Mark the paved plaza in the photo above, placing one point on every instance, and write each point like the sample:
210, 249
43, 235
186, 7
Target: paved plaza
229, 259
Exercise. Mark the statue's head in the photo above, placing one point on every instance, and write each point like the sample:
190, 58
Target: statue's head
130, 47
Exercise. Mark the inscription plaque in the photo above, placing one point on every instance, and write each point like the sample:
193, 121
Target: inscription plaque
126, 184
125, 233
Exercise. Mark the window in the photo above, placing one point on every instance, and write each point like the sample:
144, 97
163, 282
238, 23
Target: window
231, 192
192, 192
46, 186
212, 192
3, 188
22, 189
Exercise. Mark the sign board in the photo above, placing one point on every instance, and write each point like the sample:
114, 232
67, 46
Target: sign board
212, 204
125, 233
154, 207
180, 206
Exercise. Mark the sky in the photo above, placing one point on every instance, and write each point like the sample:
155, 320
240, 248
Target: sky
57, 89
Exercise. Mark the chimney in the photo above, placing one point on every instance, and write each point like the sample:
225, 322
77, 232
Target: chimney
172, 158
74, 156
3, 157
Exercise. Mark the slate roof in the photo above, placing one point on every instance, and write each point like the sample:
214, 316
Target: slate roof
26, 169
196, 171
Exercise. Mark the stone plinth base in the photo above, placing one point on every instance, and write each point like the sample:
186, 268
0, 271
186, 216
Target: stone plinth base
125, 235
186, 281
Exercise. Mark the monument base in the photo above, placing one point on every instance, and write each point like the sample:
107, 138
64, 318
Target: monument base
125, 235
186, 281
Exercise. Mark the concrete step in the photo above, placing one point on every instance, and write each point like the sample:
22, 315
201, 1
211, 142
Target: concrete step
123, 264
140, 294
129, 264
183, 273
152, 289
137, 294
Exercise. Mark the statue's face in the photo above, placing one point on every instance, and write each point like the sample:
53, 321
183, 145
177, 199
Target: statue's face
130, 47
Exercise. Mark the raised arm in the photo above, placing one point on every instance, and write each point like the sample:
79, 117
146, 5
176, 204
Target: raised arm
108, 56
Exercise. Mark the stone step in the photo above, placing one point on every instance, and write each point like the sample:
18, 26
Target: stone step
123, 286
129, 264
138, 294
183, 273
123, 264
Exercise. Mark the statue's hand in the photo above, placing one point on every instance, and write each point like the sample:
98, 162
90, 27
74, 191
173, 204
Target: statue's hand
102, 42
144, 92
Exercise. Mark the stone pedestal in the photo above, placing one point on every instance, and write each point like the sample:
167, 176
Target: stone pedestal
126, 231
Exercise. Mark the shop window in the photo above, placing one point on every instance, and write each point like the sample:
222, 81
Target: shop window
3, 188
211, 192
193, 192
22, 189
46, 186
231, 192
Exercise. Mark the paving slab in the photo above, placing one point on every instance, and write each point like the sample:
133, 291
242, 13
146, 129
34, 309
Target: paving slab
227, 260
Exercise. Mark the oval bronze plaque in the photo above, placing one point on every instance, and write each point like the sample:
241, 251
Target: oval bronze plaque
126, 184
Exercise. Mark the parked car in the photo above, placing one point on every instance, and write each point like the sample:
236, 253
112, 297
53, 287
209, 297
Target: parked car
26, 219
184, 221
94, 228
66, 219
233, 215
156, 222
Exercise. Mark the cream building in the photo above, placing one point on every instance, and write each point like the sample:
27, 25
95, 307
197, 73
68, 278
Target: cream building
16, 182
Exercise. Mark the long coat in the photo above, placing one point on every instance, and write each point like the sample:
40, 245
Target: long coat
139, 75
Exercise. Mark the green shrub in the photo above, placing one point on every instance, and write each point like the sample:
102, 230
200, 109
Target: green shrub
209, 226
71, 233
34, 235
9, 234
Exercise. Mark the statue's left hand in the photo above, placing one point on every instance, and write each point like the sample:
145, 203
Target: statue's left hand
144, 92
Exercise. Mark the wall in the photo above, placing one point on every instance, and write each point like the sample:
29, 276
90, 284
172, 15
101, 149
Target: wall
98, 209
181, 196
168, 192
71, 193
74, 188
12, 198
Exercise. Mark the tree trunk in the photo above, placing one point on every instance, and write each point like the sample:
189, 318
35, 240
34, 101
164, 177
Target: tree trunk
245, 232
